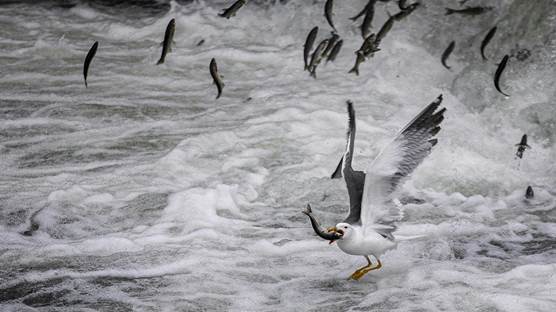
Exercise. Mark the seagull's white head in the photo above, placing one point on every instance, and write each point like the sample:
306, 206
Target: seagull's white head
344, 229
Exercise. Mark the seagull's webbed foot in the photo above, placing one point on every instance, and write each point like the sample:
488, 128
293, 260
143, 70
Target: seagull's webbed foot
357, 275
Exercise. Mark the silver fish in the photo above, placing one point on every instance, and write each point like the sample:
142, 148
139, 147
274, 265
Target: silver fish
447, 53
309, 45
367, 49
88, 60
499, 72
328, 12
168, 38
215, 77
330, 236
316, 57
335, 51
331, 41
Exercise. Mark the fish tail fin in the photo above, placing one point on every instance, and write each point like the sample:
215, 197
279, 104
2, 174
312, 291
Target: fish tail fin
338, 172
449, 11
307, 210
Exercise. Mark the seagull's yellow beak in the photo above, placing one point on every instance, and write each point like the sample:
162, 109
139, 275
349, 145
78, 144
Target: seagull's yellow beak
333, 229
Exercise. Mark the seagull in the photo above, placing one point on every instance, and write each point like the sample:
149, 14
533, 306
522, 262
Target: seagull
368, 229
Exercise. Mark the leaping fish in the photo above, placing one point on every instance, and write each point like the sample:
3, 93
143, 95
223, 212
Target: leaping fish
309, 45
447, 53
216, 77
522, 146
487, 39
356, 17
331, 41
498, 73
167, 43
471, 11
385, 29
368, 19
88, 60
335, 51
232, 10
367, 49
328, 6
406, 11
316, 57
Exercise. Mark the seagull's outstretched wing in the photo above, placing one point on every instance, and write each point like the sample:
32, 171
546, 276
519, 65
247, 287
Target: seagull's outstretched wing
398, 160
354, 179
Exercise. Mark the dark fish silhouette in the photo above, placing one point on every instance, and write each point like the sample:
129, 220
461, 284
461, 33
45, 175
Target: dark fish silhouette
529, 193
215, 77
498, 73
356, 17
331, 236
368, 19
402, 4
367, 49
486, 40
200, 43
331, 41
405, 12
447, 53
309, 45
232, 10
471, 11
522, 146
328, 6
88, 59
385, 29
167, 43
335, 51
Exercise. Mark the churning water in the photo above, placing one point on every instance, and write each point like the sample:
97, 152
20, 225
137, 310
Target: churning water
144, 193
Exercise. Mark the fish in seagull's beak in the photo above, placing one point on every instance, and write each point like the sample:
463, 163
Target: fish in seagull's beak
334, 230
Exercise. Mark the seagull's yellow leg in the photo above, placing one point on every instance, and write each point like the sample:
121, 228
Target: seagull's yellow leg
359, 273
366, 269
